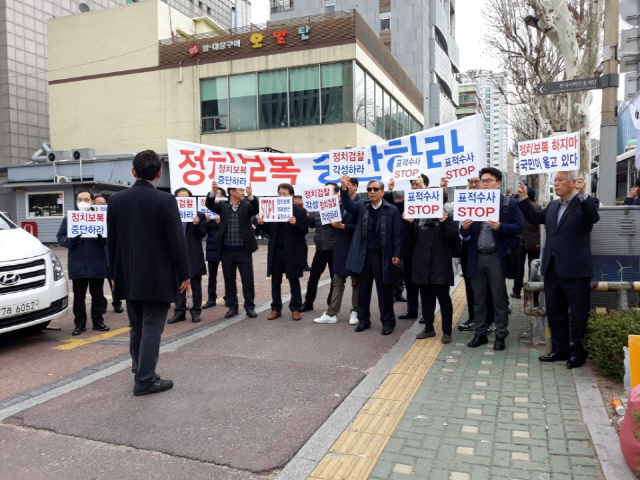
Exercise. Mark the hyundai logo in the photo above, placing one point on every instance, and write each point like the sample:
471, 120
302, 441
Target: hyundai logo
8, 279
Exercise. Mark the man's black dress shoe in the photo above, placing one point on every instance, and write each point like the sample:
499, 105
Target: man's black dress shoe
576, 362
408, 316
78, 330
101, 327
251, 314
306, 308
362, 327
210, 303
118, 308
387, 331
498, 344
232, 312
421, 319
176, 319
157, 386
399, 298
478, 340
553, 357
196, 319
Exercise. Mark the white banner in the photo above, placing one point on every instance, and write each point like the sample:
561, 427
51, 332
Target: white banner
456, 149
187, 208
423, 203
276, 209
87, 224
477, 205
553, 154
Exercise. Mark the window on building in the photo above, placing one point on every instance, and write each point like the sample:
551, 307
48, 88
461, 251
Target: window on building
272, 88
360, 93
393, 114
337, 93
370, 85
385, 21
329, 6
214, 97
386, 115
243, 114
379, 129
200, 5
304, 108
50, 204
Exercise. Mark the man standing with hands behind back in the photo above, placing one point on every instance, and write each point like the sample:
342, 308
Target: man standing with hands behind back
566, 263
148, 255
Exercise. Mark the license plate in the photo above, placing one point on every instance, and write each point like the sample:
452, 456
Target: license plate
18, 308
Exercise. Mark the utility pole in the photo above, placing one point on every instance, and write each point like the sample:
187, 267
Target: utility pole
608, 126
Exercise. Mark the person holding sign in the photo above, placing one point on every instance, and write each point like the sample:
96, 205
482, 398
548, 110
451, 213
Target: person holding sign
375, 248
87, 269
286, 255
194, 232
489, 246
213, 252
567, 264
237, 243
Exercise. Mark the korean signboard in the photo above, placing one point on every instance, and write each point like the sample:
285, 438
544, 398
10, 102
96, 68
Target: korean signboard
312, 197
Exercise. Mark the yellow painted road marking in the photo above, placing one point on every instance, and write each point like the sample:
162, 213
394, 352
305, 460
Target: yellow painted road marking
77, 342
357, 451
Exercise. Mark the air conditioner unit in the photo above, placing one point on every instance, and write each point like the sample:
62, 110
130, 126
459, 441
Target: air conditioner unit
84, 153
58, 156
61, 179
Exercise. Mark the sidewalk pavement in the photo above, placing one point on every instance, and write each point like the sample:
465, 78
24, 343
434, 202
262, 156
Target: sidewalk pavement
456, 413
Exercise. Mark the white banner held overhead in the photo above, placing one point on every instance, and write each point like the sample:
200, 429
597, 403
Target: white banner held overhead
547, 155
276, 209
456, 149
423, 203
231, 175
477, 205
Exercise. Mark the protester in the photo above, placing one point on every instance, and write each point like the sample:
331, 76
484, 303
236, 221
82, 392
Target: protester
432, 244
148, 254
117, 304
567, 264
237, 243
488, 249
297, 200
194, 232
375, 248
286, 255
343, 235
634, 194
530, 249
87, 269
212, 254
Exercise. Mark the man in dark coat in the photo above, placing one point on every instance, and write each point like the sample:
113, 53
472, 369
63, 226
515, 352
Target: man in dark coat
87, 268
237, 242
343, 235
148, 254
567, 264
375, 248
286, 255
634, 194
212, 252
489, 246
194, 232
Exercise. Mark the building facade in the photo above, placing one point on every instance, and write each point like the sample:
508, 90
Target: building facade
626, 130
420, 35
470, 101
24, 93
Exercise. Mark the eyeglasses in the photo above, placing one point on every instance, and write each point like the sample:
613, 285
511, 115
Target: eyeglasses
373, 189
473, 182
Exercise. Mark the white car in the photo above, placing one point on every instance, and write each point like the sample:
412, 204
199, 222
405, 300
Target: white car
33, 288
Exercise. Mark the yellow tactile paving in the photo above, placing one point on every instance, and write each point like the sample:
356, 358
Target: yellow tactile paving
355, 454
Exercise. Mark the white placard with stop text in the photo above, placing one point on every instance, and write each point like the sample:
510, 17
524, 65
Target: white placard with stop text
408, 168
276, 209
477, 205
232, 175
87, 224
187, 208
423, 203
330, 210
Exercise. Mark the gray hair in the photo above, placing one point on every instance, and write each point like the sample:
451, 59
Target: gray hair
571, 175
380, 183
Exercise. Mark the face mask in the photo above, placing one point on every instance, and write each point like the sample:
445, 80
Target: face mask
83, 206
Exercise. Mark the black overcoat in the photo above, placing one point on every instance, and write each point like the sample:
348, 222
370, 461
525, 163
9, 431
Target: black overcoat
87, 256
294, 258
433, 252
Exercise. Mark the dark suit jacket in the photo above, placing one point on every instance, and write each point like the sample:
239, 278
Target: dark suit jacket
147, 249
391, 244
87, 256
568, 242
294, 259
343, 242
246, 210
193, 236
505, 237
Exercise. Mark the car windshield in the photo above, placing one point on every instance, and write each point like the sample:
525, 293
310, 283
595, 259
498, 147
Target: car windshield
6, 223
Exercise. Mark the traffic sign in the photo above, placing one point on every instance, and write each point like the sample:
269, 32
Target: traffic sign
577, 85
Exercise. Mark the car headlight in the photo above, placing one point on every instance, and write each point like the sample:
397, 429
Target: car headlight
58, 272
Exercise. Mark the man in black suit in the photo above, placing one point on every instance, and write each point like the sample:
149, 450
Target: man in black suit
148, 255
237, 242
286, 255
566, 263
